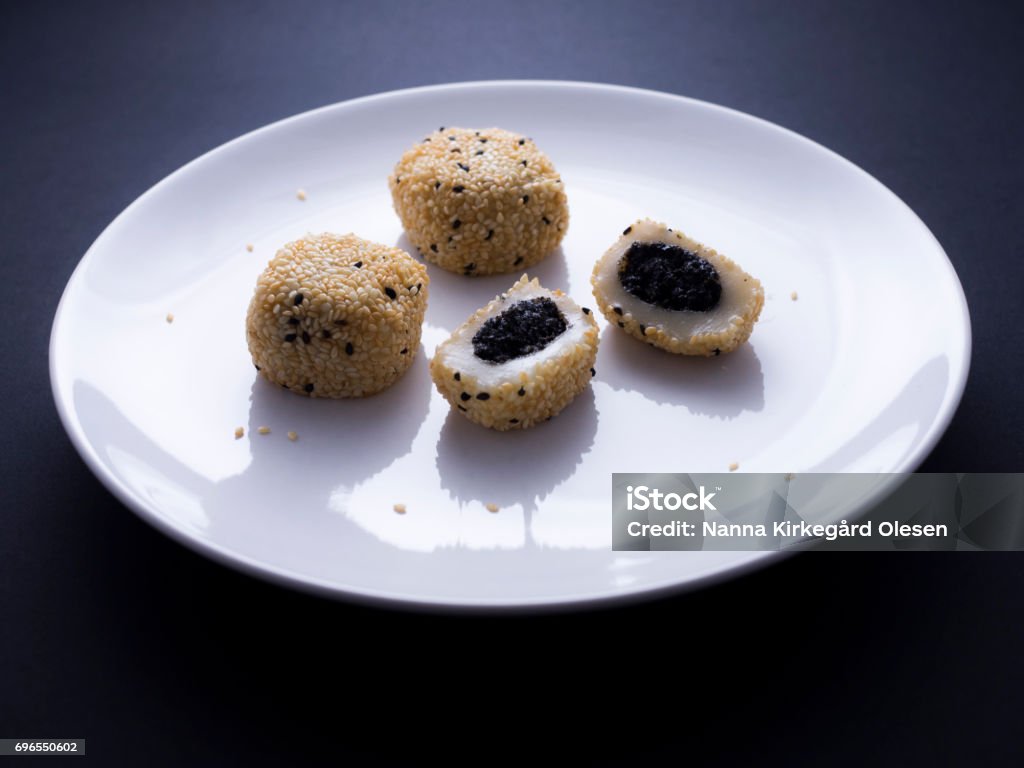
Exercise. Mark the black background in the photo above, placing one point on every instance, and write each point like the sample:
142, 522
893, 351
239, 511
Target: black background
111, 632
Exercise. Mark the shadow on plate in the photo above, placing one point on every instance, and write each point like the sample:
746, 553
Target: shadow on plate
723, 387
518, 466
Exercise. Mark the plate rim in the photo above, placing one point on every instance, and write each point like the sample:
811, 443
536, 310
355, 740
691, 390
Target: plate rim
285, 577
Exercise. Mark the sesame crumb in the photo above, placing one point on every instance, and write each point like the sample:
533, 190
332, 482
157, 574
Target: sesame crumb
793, 296
734, 466
293, 436
170, 317
400, 508
249, 247
239, 433
492, 507
264, 430
301, 194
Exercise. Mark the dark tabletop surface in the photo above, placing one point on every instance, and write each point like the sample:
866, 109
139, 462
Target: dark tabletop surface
112, 632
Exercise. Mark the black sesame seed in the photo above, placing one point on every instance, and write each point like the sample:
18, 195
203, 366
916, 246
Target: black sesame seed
524, 163
290, 337
517, 262
513, 421
465, 396
521, 142
458, 376
458, 189
483, 141
456, 224
463, 167
298, 299
586, 310
456, 149
419, 286
490, 234
717, 351
391, 293
593, 372
257, 367
526, 199
325, 333
358, 264
427, 139
627, 230
433, 247
293, 321
478, 153
643, 329
441, 128
437, 185
305, 336
450, 238
617, 310
405, 351
308, 387
483, 396
545, 219
522, 391
451, 138
349, 349
462, 409
471, 266
398, 180
621, 324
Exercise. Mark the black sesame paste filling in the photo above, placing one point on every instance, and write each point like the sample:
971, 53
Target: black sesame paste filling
670, 277
522, 329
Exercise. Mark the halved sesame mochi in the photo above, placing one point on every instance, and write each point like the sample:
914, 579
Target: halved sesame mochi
479, 202
336, 316
519, 360
667, 289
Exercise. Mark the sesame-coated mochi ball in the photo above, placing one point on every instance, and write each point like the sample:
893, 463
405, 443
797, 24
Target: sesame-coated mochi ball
337, 316
480, 202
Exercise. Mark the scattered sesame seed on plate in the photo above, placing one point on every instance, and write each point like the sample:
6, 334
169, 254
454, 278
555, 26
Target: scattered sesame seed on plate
293, 436
793, 296
492, 507
170, 317
239, 433
400, 508
301, 194
264, 430
249, 247
734, 466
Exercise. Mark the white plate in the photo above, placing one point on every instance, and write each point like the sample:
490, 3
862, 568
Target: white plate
861, 373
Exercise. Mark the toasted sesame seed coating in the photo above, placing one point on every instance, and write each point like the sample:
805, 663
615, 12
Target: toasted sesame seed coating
711, 333
337, 316
524, 391
486, 198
